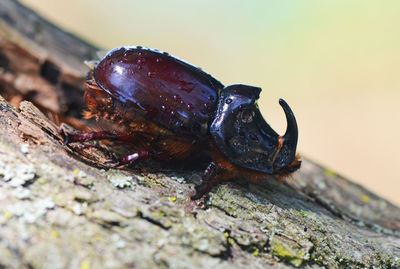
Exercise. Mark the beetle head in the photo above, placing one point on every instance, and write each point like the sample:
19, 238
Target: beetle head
246, 139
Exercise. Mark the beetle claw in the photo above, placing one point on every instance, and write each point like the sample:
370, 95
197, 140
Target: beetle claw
64, 136
201, 189
114, 163
196, 196
197, 187
66, 139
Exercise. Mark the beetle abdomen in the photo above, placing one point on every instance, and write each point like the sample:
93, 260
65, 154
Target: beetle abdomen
169, 92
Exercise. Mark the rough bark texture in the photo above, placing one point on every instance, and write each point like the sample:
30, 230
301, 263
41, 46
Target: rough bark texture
60, 209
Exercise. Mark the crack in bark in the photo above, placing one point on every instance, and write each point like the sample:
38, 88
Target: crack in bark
153, 221
326, 205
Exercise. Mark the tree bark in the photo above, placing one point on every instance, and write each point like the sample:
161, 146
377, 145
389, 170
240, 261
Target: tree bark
65, 209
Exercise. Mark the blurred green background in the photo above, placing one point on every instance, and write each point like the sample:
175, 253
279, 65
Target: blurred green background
335, 62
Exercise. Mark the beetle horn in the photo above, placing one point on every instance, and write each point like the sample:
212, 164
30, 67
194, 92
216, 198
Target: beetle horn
291, 134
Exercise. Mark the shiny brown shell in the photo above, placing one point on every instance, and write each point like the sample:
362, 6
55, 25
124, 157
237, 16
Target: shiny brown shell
168, 91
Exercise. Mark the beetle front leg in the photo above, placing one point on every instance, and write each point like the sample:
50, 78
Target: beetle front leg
209, 180
131, 158
91, 136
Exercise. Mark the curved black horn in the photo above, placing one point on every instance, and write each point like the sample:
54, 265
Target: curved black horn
291, 135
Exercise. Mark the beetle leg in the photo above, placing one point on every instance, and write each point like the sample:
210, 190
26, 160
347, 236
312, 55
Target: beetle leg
209, 179
131, 158
102, 135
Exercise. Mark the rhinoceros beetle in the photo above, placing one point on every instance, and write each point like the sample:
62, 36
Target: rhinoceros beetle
166, 109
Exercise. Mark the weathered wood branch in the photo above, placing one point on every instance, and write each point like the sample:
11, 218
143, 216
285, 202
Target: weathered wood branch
60, 210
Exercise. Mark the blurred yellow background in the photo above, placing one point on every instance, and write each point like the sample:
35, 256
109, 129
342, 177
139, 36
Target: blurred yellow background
335, 62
